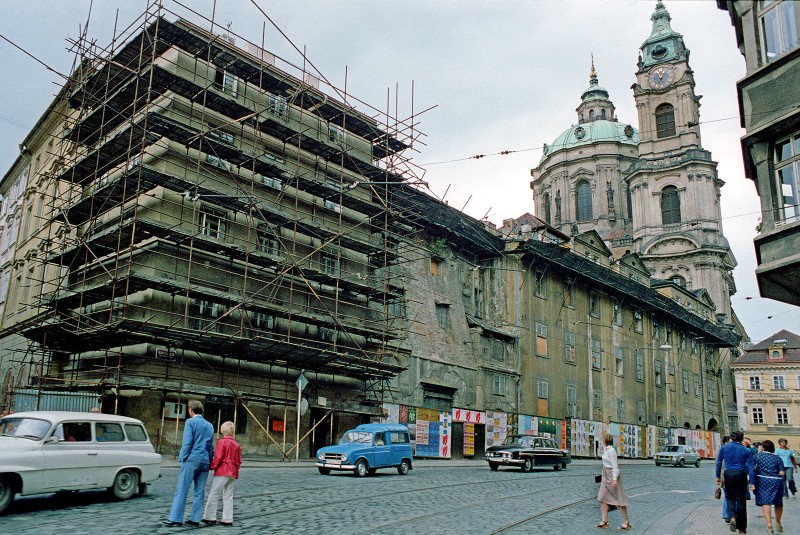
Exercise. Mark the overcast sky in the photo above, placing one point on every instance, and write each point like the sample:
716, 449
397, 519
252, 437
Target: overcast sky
494, 76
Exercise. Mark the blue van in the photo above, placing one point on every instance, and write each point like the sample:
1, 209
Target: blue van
367, 448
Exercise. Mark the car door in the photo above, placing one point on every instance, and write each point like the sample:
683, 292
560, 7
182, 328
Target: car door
111, 451
382, 449
69, 463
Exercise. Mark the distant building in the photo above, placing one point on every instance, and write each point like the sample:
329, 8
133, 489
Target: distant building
769, 107
768, 388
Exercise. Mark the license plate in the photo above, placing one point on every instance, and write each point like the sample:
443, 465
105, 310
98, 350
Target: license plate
333, 461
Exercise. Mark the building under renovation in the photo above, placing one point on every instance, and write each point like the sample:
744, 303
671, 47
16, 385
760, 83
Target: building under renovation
193, 218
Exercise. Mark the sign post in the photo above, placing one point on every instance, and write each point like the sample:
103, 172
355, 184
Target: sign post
301, 384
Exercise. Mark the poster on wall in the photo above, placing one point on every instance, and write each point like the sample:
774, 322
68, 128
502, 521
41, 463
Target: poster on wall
496, 428
433, 433
580, 438
468, 416
469, 439
446, 435
390, 413
526, 424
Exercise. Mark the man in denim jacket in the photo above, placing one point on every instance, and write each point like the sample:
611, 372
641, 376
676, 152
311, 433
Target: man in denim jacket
195, 456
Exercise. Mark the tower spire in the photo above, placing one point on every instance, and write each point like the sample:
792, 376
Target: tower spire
593, 73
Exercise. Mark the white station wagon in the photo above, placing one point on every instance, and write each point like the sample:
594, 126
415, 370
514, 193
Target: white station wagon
44, 452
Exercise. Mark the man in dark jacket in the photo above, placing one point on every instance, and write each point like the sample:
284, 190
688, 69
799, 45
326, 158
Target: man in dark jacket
196, 453
738, 463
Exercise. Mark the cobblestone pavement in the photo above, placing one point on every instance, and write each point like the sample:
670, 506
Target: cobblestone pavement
436, 497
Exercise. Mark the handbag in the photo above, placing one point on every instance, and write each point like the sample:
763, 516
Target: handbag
598, 479
718, 492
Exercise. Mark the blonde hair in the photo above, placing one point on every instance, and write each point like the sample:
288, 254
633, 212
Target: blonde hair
608, 439
227, 428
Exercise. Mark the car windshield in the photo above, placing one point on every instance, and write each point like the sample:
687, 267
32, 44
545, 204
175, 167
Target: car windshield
519, 439
363, 437
672, 449
30, 428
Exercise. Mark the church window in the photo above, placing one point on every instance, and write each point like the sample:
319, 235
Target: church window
670, 206
678, 280
665, 121
603, 113
546, 206
778, 22
583, 201
787, 170
591, 115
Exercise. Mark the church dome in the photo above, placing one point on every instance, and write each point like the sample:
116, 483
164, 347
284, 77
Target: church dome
592, 132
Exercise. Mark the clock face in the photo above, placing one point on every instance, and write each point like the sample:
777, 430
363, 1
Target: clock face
660, 77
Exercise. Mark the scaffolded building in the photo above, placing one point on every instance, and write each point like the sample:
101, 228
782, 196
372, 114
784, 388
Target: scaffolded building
208, 224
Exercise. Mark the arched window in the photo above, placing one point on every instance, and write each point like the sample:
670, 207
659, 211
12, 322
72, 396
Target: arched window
670, 205
546, 206
591, 115
603, 113
665, 121
583, 201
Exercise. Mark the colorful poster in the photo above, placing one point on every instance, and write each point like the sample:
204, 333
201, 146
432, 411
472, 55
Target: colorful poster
445, 436
496, 428
390, 413
469, 416
403, 414
526, 424
469, 439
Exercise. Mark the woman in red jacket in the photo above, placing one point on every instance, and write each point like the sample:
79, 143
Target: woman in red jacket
226, 463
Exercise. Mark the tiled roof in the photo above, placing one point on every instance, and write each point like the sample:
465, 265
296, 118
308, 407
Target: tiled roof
759, 353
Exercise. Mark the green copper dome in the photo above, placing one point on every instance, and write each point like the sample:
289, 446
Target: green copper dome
592, 132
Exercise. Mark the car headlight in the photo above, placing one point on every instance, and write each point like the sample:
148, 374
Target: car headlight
344, 457
321, 456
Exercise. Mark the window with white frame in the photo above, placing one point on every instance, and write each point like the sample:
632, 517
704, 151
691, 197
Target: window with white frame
218, 162
778, 382
757, 415
639, 366
212, 222
539, 288
272, 182
711, 389
335, 134
541, 339
782, 415
697, 385
499, 384
656, 330
278, 106
569, 347
597, 403
572, 397
619, 361
658, 372
268, 242
755, 382
682, 341
261, 320
787, 174
597, 358
219, 135
637, 321
542, 389
617, 319
685, 375
329, 264
594, 304
778, 21
335, 206
203, 315
225, 82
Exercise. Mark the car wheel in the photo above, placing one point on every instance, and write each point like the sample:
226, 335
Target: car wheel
125, 484
324, 471
493, 466
6, 494
697, 463
681, 463
527, 466
557, 467
361, 468
404, 468
658, 463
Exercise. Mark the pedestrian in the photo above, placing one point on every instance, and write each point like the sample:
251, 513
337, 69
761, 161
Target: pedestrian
725, 516
738, 461
789, 464
226, 463
195, 457
766, 482
611, 492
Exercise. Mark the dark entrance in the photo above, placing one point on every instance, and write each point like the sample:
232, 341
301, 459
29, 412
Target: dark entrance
457, 439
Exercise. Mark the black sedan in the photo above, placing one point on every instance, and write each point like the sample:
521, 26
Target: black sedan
527, 452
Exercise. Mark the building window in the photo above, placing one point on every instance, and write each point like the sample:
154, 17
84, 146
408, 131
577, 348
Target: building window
620, 409
787, 172
777, 382
219, 135
335, 134
670, 206
335, 206
542, 389
268, 243
546, 206
278, 106
499, 384
568, 296
637, 322
656, 329
572, 396
617, 319
696, 385
597, 359
665, 121
225, 82
755, 383
498, 350
619, 360
594, 304
685, 381
569, 347
757, 414
712, 391
640, 410
329, 264
583, 201
682, 341
272, 182
778, 27
442, 312
218, 162
658, 372
782, 415
639, 366
597, 404
203, 315
212, 222
541, 340
539, 288
677, 279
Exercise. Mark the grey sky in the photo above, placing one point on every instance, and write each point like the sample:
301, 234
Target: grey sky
501, 76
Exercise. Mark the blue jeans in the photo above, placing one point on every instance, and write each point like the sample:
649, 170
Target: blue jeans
788, 481
191, 473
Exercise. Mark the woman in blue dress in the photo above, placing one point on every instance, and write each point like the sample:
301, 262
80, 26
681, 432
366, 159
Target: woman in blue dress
766, 482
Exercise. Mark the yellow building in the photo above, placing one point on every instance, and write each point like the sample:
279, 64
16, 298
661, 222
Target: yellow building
767, 379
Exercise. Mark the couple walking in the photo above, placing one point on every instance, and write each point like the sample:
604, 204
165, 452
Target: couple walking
196, 459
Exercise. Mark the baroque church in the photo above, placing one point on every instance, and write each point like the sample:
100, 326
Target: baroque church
652, 190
